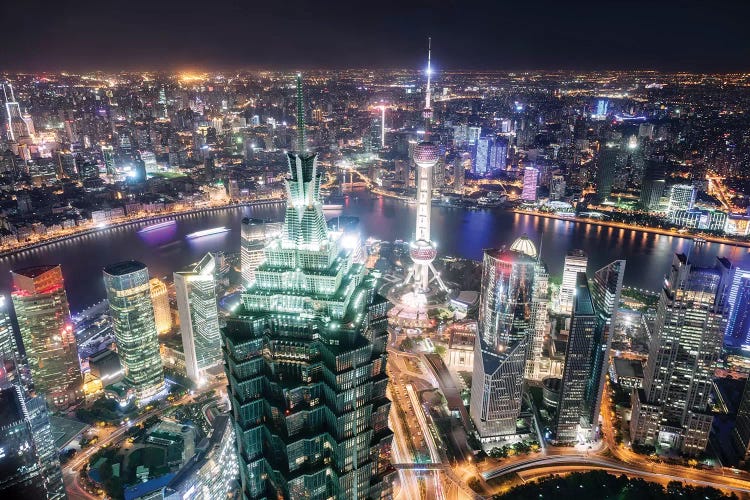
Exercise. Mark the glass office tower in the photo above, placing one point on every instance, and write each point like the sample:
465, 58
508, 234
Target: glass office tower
43, 314
578, 358
29, 464
129, 295
509, 316
199, 317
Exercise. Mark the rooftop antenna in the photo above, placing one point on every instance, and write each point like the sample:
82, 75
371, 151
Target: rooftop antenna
428, 94
429, 72
300, 116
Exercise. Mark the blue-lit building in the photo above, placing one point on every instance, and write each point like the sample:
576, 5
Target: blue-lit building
738, 326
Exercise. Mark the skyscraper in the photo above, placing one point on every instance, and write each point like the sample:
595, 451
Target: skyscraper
129, 295
8, 347
474, 133
199, 317
108, 156
530, 181
305, 360
576, 262
499, 154
652, 185
459, 174
738, 326
41, 306
255, 234
507, 326
605, 175
578, 358
160, 301
28, 456
741, 433
671, 409
17, 127
482, 155
606, 288
681, 197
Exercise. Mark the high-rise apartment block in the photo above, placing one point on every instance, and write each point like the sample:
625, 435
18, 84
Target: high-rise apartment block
530, 183
671, 409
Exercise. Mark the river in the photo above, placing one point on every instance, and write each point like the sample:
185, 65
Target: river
457, 231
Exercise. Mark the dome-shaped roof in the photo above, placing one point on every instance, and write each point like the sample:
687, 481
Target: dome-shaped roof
525, 246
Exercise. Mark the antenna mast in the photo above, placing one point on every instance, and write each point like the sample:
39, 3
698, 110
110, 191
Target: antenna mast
300, 116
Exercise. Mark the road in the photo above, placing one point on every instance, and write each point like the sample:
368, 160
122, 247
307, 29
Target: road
537, 464
72, 469
622, 460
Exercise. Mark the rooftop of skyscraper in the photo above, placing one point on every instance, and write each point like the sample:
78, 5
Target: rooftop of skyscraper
125, 267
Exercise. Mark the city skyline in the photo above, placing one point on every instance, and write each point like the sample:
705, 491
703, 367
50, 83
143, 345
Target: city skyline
276, 287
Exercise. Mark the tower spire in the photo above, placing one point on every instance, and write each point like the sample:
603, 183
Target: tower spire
300, 116
429, 73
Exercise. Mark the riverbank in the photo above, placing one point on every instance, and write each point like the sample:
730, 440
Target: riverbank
642, 229
84, 231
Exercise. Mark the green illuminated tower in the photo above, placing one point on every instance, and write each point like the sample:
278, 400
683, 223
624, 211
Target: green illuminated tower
132, 311
305, 360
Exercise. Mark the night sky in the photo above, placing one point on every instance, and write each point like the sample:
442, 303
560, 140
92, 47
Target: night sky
470, 34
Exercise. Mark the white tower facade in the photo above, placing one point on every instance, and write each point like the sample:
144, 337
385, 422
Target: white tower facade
422, 250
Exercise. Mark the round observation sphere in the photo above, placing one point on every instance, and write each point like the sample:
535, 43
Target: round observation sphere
422, 251
426, 154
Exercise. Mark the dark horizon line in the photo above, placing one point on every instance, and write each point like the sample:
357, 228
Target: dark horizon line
292, 69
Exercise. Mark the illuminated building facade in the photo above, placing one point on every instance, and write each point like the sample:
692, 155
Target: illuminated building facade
305, 359
212, 472
530, 183
199, 317
671, 409
576, 262
255, 234
578, 355
681, 197
738, 327
129, 296
160, 301
741, 432
28, 456
8, 347
509, 316
41, 307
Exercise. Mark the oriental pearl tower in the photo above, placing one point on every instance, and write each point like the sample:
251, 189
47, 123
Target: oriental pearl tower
422, 250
